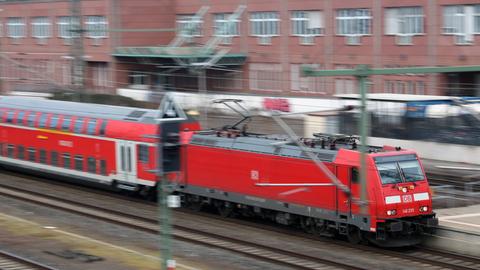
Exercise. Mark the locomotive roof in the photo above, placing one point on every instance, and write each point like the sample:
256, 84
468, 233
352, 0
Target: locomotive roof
263, 144
79, 109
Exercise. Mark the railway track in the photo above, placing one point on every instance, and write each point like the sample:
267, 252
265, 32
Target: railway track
274, 255
422, 256
266, 253
9, 261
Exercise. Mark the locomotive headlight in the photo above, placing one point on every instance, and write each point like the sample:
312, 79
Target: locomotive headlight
391, 212
423, 208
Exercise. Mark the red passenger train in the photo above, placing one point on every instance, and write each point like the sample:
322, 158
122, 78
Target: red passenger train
106, 144
236, 172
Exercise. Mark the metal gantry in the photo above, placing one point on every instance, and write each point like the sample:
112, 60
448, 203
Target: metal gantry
362, 72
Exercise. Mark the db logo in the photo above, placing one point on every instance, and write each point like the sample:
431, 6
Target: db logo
407, 198
254, 175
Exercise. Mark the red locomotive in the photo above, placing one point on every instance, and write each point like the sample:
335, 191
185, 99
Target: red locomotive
106, 144
257, 175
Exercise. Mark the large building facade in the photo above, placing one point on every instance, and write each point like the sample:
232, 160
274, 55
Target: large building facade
149, 45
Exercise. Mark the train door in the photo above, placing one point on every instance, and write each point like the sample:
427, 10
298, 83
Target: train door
343, 200
126, 162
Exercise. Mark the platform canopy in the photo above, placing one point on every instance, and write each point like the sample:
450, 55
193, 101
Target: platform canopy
190, 54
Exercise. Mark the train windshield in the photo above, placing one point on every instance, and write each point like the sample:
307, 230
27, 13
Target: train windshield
399, 169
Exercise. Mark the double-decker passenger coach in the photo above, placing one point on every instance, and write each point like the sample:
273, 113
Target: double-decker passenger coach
107, 144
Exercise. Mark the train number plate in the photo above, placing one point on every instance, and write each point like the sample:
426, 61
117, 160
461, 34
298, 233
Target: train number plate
408, 210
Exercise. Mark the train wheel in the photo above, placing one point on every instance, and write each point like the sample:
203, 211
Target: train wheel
193, 202
354, 235
225, 209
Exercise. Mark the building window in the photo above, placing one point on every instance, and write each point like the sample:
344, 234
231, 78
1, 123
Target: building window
100, 74
138, 80
66, 27
404, 20
353, 22
307, 23
476, 19
264, 24
306, 84
462, 21
420, 87
224, 27
228, 80
96, 26
265, 76
453, 19
345, 86
389, 86
41, 27
189, 25
16, 27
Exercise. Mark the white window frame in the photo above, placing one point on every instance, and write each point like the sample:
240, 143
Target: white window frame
457, 19
351, 22
96, 26
16, 27
41, 27
264, 24
184, 21
301, 20
476, 19
397, 17
220, 20
65, 27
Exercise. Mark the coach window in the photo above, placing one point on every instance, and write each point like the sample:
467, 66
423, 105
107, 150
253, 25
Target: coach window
91, 165
92, 124
20, 152
54, 121
31, 119
143, 153
43, 156
103, 167
54, 158
78, 125
79, 162
42, 123
67, 120
32, 154
66, 160
10, 116
20, 116
10, 150
103, 127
